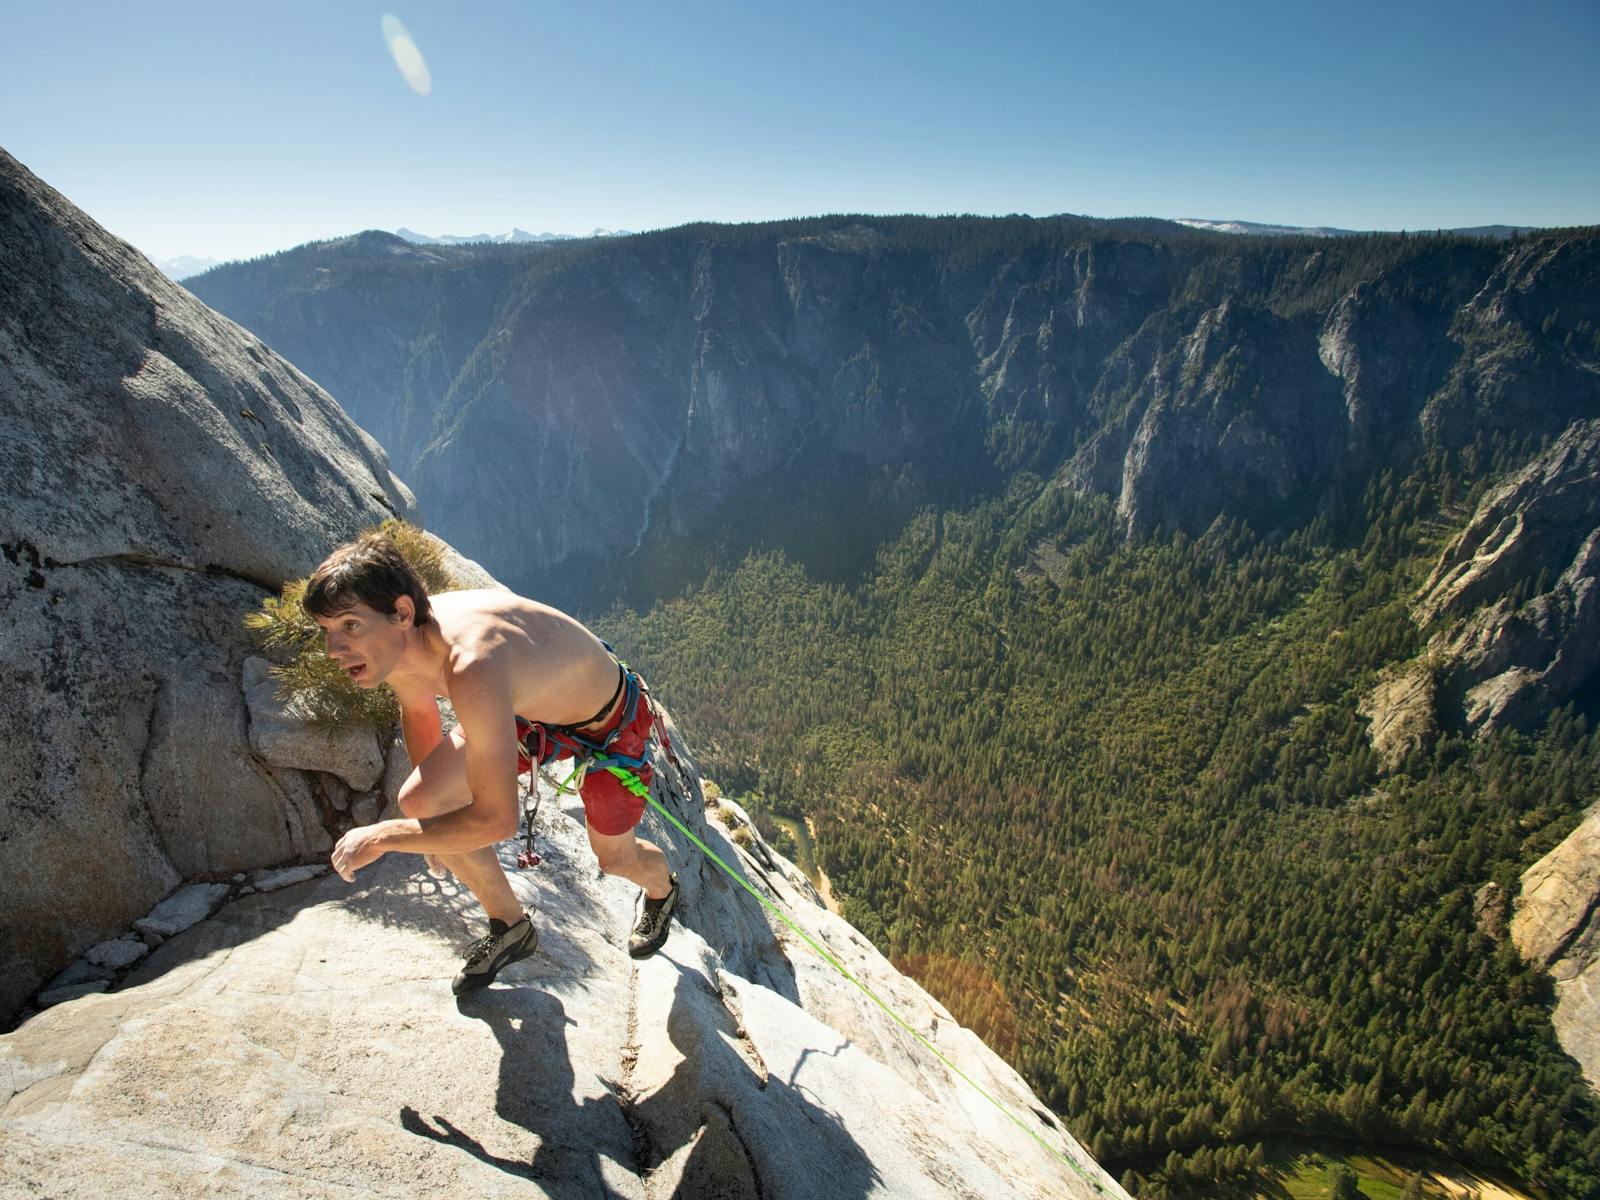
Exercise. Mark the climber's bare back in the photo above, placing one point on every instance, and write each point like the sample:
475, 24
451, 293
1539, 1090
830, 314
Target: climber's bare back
557, 671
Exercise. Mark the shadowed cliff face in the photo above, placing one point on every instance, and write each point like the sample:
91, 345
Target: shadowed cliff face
704, 390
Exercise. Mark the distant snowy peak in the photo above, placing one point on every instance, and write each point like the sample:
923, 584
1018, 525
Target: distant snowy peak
516, 235
1259, 230
184, 266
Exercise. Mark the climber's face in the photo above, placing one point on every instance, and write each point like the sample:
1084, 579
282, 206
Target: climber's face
367, 644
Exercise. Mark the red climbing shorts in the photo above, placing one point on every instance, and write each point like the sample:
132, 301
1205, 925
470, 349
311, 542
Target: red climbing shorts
609, 808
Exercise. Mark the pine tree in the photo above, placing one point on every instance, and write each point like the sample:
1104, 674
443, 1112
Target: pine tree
1346, 1186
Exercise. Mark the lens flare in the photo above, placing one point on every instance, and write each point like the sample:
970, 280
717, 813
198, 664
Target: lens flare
406, 55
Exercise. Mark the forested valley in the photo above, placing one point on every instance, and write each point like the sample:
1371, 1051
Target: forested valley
1044, 567
1111, 801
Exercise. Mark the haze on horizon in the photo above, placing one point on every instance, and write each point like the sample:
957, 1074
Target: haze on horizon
213, 131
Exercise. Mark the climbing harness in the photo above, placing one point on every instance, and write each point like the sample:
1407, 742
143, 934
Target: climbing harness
543, 743
597, 755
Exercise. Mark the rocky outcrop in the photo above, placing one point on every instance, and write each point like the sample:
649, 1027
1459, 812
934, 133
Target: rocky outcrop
285, 737
1491, 911
161, 470
1556, 925
1511, 606
1513, 599
736, 1063
1401, 711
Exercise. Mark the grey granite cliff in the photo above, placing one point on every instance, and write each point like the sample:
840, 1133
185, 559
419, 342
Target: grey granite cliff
161, 471
304, 1043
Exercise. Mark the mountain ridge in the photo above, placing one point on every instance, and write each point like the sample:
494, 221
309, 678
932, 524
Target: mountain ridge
1267, 229
515, 235
1109, 351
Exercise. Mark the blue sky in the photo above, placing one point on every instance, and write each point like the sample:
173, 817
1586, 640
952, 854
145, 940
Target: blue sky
211, 129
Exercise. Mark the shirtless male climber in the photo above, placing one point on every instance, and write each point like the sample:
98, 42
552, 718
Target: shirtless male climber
529, 684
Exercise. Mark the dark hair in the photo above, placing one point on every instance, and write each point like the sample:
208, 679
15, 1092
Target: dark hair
370, 569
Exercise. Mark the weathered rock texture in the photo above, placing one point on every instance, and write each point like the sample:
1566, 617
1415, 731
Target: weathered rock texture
668, 396
1401, 711
160, 470
734, 1064
282, 735
1556, 924
1513, 598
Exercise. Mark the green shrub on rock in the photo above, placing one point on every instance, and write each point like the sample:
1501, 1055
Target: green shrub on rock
309, 682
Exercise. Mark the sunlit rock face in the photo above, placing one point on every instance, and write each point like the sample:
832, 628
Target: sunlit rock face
1513, 599
1556, 925
161, 470
1401, 709
736, 1063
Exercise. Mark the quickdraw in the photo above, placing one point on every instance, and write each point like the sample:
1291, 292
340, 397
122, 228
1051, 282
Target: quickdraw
528, 856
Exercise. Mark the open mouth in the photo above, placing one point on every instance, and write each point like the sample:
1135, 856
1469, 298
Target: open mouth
357, 671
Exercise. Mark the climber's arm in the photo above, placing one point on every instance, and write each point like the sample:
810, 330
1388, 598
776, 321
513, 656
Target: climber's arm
481, 691
419, 722
482, 699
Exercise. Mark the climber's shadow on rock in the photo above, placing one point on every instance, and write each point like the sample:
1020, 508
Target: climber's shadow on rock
719, 1125
536, 1093
727, 1125
732, 924
439, 1129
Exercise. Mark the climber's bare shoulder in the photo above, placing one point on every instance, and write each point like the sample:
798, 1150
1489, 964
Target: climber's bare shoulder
546, 664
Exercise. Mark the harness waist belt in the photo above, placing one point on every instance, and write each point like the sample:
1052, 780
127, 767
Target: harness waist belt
622, 677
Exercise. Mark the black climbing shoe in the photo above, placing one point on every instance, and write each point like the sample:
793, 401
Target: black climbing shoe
651, 931
503, 945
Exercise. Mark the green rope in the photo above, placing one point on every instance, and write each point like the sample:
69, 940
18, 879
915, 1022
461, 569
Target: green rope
840, 967
630, 781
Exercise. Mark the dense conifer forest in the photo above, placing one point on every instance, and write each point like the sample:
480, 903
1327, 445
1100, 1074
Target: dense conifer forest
1111, 801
